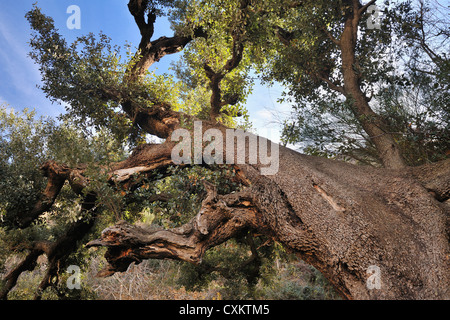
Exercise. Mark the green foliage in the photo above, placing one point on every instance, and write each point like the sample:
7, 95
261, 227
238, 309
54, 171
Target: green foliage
80, 75
233, 268
27, 142
21, 151
229, 271
299, 281
88, 76
184, 191
408, 87
220, 21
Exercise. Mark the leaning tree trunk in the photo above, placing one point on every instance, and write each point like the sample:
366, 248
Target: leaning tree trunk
374, 233
371, 122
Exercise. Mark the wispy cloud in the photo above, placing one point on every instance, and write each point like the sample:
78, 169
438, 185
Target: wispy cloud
21, 71
20, 74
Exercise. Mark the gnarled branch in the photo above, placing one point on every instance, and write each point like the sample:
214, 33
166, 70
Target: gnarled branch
220, 218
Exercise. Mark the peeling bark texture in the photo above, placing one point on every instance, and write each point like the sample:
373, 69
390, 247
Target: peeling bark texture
221, 218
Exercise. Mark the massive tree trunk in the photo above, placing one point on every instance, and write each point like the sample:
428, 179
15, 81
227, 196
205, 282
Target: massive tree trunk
348, 221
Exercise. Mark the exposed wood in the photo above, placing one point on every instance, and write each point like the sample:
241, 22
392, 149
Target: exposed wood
220, 218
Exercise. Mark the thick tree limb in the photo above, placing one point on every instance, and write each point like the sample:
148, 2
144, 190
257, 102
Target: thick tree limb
138, 8
152, 51
340, 218
28, 264
146, 160
435, 177
56, 175
215, 77
220, 218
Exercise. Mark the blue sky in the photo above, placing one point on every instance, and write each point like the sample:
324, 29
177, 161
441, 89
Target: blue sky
20, 76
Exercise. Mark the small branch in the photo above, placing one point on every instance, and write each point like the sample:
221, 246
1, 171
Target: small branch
231, 100
331, 37
284, 36
138, 8
215, 78
365, 7
66, 244
238, 51
56, 176
152, 51
28, 264
333, 86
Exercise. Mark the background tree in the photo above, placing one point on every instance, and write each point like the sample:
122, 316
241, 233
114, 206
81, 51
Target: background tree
27, 142
412, 102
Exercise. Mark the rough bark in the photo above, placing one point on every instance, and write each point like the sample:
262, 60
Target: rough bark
339, 217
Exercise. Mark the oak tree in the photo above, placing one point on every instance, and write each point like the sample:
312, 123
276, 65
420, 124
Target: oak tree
341, 218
